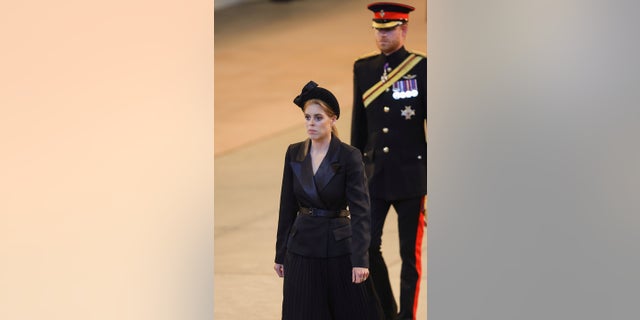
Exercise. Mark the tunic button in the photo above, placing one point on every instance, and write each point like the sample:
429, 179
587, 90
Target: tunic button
385, 149
386, 109
385, 130
364, 154
419, 157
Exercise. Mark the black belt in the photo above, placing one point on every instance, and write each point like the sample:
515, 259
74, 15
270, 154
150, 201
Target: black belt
323, 213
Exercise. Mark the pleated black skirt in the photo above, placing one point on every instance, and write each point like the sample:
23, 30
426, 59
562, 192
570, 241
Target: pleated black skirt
321, 289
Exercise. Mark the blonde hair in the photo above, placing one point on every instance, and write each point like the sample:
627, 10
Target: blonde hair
326, 110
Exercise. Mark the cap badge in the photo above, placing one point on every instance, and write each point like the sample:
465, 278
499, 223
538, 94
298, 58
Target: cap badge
408, 112
381, 13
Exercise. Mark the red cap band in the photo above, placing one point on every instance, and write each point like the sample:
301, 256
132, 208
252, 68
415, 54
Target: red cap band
382, 15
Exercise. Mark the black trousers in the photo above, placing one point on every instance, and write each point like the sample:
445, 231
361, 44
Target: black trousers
410, 230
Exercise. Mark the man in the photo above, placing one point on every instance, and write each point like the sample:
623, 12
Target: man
388, 126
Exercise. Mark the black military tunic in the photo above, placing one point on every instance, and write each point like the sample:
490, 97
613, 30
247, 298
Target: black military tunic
390, 131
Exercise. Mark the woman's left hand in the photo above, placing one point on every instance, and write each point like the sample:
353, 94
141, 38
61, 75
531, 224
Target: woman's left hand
359, 275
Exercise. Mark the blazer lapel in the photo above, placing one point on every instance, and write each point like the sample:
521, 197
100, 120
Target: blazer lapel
301, 166
329, 165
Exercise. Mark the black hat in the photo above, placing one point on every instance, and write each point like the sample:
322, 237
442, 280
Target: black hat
312, 91
389, 14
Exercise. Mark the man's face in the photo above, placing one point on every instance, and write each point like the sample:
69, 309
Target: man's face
390, 39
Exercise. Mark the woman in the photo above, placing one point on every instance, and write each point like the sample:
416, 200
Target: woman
322, 247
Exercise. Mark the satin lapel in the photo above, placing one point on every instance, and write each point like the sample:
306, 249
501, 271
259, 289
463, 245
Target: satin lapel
301, 167
329, 165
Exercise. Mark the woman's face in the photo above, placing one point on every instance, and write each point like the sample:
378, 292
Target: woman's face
317, 122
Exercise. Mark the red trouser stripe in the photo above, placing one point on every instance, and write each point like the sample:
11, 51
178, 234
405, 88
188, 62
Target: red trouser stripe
419, 235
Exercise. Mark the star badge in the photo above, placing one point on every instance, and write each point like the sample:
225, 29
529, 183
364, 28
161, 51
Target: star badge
408, 112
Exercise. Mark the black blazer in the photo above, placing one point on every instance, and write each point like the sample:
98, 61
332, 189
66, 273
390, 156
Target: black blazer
390, 132
339, 183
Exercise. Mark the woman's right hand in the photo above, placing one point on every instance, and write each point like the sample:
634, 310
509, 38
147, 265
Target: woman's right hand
359, 275
279, 269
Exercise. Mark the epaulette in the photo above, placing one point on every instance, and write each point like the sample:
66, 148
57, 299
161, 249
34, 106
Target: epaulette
419, 53
368, 55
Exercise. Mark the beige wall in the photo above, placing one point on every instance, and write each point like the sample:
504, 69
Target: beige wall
106, 175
